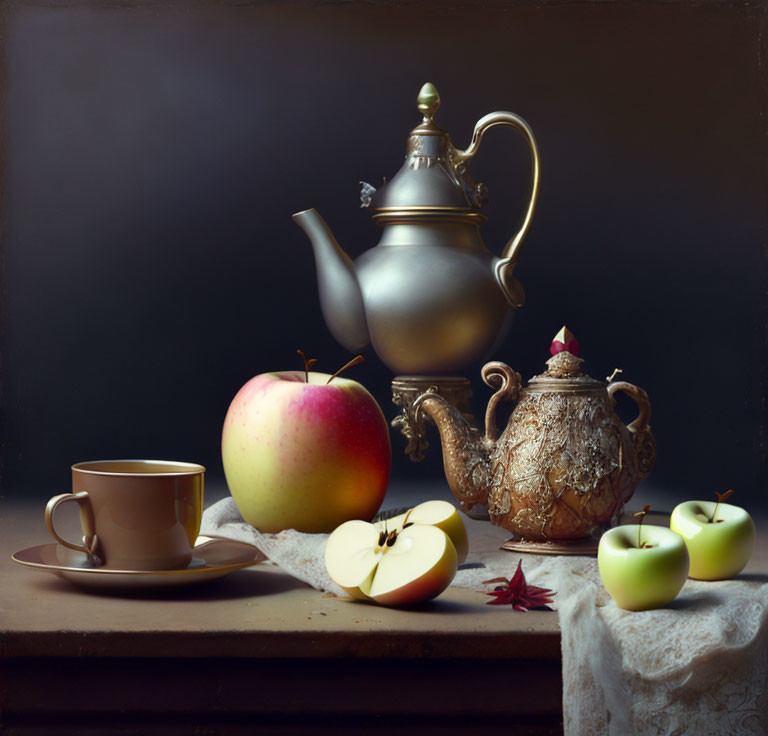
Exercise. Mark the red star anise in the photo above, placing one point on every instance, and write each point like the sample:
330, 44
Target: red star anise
517, 593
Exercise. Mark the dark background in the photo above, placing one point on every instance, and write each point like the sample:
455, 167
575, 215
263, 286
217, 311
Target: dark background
155, 152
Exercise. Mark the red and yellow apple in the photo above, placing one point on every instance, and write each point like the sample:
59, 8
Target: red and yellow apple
300, 452
400, 567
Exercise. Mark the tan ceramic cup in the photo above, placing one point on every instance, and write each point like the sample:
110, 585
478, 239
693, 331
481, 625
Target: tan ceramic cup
135, 514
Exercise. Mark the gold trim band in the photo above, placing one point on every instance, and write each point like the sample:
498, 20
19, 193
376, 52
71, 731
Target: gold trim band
392, 216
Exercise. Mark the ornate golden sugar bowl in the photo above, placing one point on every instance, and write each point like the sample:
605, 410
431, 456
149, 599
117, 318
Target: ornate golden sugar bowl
564, 466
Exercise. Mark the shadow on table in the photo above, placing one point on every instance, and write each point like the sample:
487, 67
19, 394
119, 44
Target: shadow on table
694, 602
752, 577
447, 607
249, 583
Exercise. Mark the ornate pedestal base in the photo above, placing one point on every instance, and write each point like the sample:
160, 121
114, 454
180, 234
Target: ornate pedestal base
587, 546
406, 389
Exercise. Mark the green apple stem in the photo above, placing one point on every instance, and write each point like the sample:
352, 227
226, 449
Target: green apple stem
721, 497
307, 364
406, 523
355, 361
641, 514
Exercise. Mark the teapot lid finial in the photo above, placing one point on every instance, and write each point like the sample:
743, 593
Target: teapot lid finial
428, 100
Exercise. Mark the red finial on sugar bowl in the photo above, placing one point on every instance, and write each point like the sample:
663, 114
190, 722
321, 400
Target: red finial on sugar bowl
564, 340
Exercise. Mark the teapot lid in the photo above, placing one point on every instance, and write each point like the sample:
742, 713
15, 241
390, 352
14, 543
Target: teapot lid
432, 180
564, 367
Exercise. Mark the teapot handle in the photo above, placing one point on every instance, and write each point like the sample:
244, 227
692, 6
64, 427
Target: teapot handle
508, 385
511, 287
639, 396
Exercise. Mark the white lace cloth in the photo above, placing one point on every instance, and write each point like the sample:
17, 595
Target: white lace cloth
699, 666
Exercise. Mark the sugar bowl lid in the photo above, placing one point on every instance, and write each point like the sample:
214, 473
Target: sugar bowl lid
564, 367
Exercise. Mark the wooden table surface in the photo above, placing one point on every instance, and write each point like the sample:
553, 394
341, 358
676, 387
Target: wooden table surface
258, 649
260, 652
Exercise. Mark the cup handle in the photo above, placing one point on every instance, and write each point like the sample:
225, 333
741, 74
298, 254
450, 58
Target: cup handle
90, 540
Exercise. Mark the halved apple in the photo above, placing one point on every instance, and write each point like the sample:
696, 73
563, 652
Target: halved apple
441, 514
394, 568
352, 554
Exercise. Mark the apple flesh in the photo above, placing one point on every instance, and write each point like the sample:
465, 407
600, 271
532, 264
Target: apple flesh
305, 455
641, 578
397, 568
441, 514
719, 549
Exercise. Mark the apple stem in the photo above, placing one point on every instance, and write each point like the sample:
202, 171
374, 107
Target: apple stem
355, 361
307, 364
721, 497
641, 514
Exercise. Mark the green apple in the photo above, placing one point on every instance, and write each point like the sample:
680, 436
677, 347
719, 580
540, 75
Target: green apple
719, 548
396, 568
642, 577
441, 514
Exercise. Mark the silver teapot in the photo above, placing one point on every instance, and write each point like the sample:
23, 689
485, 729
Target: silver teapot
429, 297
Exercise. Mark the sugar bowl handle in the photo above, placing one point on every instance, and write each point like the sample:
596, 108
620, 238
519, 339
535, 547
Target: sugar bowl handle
639, 396
90, 540
508, 385
640, 429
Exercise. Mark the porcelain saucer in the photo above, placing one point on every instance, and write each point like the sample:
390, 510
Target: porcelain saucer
213, 558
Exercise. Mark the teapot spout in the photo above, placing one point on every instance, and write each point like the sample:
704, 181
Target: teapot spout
466, 454
340, 297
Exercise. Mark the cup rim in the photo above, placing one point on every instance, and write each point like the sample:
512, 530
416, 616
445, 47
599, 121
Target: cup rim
185, 468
